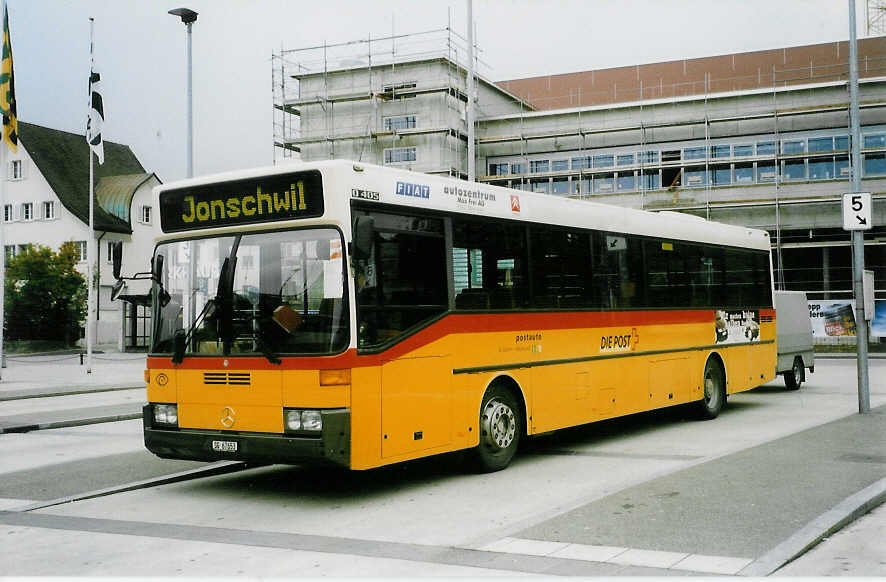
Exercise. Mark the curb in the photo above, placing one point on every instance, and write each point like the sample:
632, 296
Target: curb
816, 530
25, 394
67, 423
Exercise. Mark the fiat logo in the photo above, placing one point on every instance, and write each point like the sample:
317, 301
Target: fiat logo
227, 417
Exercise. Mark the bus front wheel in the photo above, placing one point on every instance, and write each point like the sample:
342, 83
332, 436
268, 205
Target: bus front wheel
714, 398
501, 425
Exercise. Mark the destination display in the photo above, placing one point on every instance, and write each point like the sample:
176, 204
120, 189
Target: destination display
265, 199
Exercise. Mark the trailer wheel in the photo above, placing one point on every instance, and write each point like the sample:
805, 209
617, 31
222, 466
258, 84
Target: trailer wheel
794, 377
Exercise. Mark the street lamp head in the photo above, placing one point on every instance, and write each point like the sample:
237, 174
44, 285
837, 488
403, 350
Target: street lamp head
186, 14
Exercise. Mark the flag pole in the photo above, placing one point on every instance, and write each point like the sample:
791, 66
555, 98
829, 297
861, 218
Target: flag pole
90, 252
3, 179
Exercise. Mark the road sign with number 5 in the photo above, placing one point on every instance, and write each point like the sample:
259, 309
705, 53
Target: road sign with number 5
857, 211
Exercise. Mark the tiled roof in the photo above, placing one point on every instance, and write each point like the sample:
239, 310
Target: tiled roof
63, 160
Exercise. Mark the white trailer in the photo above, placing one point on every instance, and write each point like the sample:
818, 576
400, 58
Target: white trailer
793, 336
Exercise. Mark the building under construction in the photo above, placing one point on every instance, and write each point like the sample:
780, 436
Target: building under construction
759, 139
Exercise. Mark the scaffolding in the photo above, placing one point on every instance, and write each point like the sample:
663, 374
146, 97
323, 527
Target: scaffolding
342, 97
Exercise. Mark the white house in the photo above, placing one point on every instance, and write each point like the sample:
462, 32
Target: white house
47, 203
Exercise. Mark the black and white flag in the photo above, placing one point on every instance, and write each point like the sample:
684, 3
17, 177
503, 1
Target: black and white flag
96, 116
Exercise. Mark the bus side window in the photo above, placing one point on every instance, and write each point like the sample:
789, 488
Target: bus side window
618, 271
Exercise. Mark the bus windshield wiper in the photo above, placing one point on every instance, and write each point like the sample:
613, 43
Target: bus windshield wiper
182, 337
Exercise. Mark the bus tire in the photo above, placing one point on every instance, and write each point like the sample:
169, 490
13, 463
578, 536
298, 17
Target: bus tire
501, 425
794, 377
714, 396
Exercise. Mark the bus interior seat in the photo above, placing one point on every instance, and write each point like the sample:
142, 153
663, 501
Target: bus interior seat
472, 299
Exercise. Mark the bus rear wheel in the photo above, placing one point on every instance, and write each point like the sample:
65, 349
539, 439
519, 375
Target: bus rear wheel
714, 398
501, 424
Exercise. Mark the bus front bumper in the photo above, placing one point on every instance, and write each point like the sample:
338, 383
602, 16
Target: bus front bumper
331, 447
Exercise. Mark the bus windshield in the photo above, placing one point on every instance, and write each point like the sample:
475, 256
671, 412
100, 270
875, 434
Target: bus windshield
265, 293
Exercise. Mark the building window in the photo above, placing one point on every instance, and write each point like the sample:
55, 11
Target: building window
144, 215
561, 186
604, 183
582, 163
875, 165
694, 153
560, 165
822, 168
651, 180
625, 159
603, 161
743, 151
721, 151
28, 211
8, 215
795, 170
399, 122
841, 167
721, 175
875, 141
80, 248
766, 148
399, 90
647, 157
821, 144
395, 155
625, 182
498, 169
793, 147
580, 186
695, 177
744, 173
766, 172
518, 168
16, 170
537, 166
541, 185
841, 143
10, 252
49, 210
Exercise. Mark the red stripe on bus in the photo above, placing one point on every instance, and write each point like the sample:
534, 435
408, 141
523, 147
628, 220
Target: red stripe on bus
452, 323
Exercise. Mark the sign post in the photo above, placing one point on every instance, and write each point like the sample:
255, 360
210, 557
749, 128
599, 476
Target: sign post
857, 217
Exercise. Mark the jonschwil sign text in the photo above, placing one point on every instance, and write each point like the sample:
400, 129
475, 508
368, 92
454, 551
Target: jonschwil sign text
263, 199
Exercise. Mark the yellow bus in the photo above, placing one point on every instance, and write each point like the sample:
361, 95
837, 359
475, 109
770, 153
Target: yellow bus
357, 315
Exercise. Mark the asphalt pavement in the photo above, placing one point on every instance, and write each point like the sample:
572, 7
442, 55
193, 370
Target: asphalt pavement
734, 511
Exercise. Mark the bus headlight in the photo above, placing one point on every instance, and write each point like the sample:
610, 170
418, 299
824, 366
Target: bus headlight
297, 420
166, 414
293, 419
311, 420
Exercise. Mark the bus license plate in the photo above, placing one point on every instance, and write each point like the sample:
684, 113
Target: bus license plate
224, 446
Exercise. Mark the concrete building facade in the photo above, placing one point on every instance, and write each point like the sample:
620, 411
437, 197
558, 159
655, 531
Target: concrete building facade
757, 139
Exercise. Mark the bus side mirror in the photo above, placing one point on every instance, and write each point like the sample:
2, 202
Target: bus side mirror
117, 257
178, 346
364, 230
157, 269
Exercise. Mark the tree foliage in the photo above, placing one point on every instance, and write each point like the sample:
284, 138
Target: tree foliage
45, 295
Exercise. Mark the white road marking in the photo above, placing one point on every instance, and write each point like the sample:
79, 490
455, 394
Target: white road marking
621, 556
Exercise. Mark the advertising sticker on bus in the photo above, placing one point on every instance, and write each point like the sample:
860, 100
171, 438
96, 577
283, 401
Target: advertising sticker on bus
734, 327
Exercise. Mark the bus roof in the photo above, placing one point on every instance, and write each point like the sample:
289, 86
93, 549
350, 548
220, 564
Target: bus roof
414, 190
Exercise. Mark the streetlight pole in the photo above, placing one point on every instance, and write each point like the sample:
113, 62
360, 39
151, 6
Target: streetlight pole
188, 17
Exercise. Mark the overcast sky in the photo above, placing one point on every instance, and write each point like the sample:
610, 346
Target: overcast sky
140, 53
